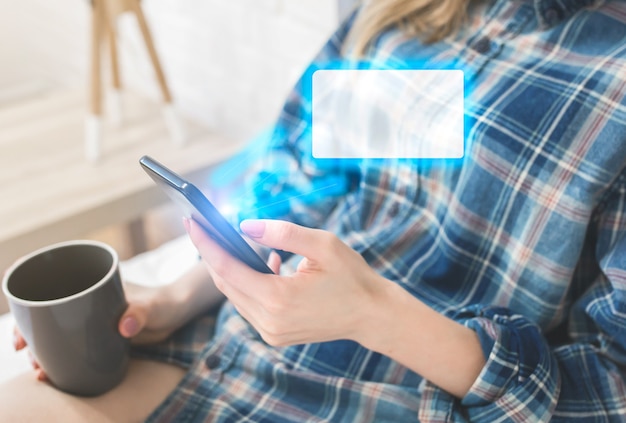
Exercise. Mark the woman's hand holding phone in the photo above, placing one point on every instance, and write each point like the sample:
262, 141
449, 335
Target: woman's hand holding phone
329, 297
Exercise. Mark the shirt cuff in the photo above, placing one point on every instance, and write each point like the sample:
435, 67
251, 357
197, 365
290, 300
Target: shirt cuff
519, 382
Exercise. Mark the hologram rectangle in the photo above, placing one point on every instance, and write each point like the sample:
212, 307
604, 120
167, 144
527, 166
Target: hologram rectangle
400, 114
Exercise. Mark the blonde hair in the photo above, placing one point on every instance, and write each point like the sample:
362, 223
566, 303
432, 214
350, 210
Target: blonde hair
430, 20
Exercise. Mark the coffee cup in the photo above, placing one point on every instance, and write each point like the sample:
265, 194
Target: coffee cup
67, 299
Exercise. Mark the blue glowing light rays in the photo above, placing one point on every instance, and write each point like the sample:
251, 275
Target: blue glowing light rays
276, 171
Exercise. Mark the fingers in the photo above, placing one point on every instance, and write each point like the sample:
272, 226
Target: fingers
19, 343
33, 362
274, 262
216, 257
234, 279
41, 375
133, 320
39, 372
287, 236
18, 340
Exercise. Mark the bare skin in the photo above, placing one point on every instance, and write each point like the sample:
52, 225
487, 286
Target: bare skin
153, 314
147, 384
364, 307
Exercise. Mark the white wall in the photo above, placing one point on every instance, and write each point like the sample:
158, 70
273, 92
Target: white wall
43, 44
229, 62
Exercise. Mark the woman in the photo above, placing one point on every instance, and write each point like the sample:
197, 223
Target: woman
487, 289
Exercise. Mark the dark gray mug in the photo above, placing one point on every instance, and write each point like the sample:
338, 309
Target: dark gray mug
67, 299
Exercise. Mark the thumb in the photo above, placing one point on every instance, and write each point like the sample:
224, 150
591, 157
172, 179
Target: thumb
132, 321
287, 236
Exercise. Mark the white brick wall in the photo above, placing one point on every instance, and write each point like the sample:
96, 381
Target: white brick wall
229, 63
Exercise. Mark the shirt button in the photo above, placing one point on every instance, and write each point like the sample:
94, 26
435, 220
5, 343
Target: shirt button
394, 209
552, 15
483, 45
212, 361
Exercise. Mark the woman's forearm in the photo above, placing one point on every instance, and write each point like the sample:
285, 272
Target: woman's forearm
194, 291
441, 350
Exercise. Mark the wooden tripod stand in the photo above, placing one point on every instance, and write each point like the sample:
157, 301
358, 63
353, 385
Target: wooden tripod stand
104, 15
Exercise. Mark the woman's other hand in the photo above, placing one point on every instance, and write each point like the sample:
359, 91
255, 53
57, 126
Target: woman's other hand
152, 316
19, 344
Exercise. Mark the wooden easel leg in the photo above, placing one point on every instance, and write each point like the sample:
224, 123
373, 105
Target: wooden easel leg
145, 32
93, 130
116, 94
172, 122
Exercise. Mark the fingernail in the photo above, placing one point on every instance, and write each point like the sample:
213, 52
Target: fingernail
253, 228
41, 376
18, 343
186, 223
130, 326
32, 360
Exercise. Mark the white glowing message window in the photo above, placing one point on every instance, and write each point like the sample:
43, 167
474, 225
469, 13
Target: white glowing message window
413, 114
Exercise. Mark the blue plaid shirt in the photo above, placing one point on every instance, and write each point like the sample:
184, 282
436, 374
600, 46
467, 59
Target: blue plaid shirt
523, 240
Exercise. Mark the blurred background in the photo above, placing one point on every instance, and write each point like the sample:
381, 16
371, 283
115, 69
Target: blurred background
228, 65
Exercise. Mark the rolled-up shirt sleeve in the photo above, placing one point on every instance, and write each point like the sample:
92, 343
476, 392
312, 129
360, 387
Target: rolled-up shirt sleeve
525, 377
519, 382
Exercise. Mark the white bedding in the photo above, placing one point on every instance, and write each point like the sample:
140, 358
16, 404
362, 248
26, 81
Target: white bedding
156, 267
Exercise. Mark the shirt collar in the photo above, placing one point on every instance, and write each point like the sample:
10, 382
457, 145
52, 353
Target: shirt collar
551, 12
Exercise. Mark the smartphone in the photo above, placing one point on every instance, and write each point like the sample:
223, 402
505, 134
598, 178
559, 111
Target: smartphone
197, 207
